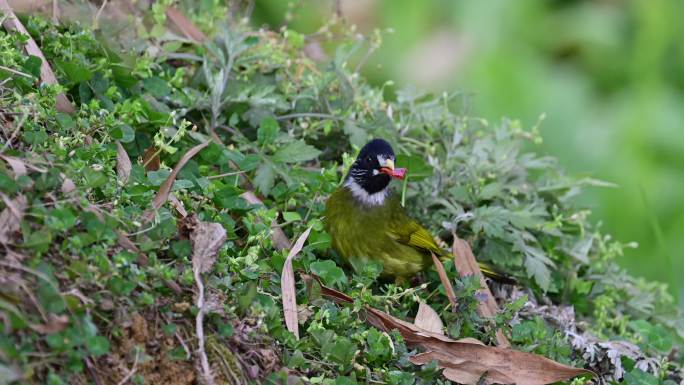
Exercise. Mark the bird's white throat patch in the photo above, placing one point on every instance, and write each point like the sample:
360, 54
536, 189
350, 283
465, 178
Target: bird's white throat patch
363, 196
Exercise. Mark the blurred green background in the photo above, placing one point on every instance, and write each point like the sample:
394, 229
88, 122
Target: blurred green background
608, 75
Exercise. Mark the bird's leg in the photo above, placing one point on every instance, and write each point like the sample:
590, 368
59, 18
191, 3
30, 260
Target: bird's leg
417, 280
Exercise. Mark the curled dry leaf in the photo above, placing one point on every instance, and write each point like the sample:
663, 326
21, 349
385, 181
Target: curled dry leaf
185, 25
11, 216
18, 166
428, 319
123, 164
207, 238
178, 205
287, 286
163, 193
465, 263
467, 361
448, 288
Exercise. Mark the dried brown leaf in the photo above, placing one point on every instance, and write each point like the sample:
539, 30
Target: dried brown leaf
178, 205
287, 286
466, 264
448, 288
11, 216
12, 23
165, 189
123, 164
67, 185
467, 360
124, 242
55, 324
18, 166
207, 238
428, 319
151, 160
185, 25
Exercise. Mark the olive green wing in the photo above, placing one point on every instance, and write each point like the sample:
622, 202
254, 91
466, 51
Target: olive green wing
411, 233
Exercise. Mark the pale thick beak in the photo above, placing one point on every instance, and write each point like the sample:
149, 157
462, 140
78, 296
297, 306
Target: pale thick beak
387, 167
387, 163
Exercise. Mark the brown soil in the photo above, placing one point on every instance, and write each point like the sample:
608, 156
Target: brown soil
154, 362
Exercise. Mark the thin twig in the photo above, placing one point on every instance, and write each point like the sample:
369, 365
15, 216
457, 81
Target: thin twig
309, 115
365, 58
225, 174
96, 19
92, 371
199, 326
133, 369
16, 72
14, 133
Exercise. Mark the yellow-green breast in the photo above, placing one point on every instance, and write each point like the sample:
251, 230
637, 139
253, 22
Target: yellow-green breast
374, 232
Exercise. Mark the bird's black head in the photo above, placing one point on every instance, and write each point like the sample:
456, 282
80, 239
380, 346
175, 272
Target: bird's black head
374, 167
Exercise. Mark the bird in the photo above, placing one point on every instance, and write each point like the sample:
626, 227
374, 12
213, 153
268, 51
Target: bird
366, 220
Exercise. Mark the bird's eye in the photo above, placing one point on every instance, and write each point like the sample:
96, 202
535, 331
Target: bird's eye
369, 159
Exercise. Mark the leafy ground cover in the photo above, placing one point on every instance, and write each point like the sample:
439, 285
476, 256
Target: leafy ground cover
98, 282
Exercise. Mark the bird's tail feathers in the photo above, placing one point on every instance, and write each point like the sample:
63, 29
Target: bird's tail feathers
488, 270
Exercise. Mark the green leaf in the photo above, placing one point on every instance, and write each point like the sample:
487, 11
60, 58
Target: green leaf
417, 167
291, 216
357, 135
157, 87
264, 178
97, 345
345, 380
158, 177
294, 38
268, 130
490, 191
75, 72
65, 121
94, 178
7, 183
296, 359
32, 65
342, 350
329, 272
397, 377
379, 346
654, 336
181, 184
228, 197
537, 268
60, 219
639, 377
491, 220
295, 152
124, 133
